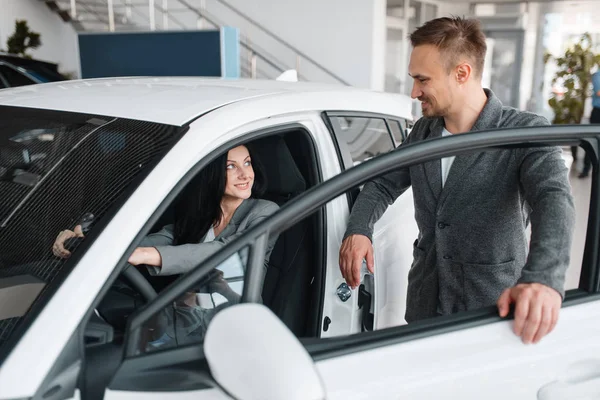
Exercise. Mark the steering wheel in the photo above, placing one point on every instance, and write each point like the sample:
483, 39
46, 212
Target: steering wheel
139, 283
129, 273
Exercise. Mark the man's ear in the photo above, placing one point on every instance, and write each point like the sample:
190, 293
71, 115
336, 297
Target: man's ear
463, 72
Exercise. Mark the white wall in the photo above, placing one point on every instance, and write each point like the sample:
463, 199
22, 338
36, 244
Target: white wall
449, 8
345, 36
59, 40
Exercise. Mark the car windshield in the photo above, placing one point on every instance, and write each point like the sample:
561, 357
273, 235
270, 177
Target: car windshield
58, 169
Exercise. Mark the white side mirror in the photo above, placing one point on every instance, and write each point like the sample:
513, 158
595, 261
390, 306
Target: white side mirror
253, 356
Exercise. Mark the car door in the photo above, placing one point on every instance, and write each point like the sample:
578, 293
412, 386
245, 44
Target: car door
475, 354
471, 354
360, 137
127, 382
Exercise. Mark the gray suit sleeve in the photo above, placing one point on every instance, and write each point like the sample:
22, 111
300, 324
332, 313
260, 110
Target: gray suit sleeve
544, 179
378, 194
164, 237
183, 258
374, 199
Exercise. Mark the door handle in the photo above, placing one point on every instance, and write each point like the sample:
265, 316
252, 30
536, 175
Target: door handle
580, 381
364, 303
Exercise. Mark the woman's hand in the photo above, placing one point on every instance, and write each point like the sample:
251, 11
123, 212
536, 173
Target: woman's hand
220, 285
145, 255
58, 248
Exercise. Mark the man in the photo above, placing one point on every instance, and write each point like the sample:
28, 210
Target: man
594, 119
471, 209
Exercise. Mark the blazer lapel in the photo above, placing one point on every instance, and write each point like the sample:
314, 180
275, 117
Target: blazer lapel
237, 216
455, 179
489, 118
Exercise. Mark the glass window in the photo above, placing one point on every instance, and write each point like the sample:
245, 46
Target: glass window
364, 137
14, 77
396, 130
186, 320
58, 170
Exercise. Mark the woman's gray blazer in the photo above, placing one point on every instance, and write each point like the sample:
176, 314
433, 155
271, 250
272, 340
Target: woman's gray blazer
182, 258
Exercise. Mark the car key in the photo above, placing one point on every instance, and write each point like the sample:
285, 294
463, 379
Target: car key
86, 222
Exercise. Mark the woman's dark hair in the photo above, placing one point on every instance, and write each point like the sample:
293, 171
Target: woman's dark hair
198, 206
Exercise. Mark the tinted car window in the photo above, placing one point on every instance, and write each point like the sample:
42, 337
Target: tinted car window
14, 77
55, 169
364, 137
42, 70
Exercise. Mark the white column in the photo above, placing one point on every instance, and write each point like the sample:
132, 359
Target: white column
165, 14
111, 16
151, 15
379, 33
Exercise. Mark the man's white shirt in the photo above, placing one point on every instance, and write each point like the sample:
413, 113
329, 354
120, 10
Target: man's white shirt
446, 162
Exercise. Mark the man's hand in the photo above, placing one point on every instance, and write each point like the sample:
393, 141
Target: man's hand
145, 256
536, 310
58, 248
355, 248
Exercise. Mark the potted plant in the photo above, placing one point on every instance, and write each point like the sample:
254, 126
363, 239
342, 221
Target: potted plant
23, 39
574, 78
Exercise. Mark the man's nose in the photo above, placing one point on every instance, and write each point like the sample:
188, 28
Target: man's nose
415, 92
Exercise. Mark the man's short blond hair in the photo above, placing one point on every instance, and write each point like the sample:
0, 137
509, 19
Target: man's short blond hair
456, 38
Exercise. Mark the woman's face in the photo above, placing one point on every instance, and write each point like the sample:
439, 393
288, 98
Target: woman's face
240, 175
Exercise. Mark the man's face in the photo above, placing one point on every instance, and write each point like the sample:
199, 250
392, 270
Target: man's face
433, 85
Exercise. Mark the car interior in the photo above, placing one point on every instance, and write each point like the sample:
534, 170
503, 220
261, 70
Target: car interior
290, 164
292, 285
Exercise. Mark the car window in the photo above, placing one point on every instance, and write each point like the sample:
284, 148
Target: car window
400, 245
363, 137
186, 319
14, 77
399, 129
58, 170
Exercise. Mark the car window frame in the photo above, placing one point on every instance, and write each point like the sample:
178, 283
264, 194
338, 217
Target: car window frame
332, 123
308, 202
344, 157
248, 294
130, 361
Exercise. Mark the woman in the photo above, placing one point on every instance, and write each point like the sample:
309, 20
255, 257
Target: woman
219, 204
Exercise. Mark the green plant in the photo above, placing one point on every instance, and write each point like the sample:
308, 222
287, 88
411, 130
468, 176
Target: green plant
23, 39
574, 76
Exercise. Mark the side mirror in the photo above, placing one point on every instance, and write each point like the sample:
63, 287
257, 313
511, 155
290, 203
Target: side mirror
253, 356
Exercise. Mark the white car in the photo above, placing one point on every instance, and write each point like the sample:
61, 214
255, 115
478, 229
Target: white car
116, 153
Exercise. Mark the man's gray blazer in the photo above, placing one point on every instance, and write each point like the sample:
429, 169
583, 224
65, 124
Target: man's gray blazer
182, 258
472, 240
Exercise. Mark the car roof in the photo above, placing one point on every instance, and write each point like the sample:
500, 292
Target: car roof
178, 100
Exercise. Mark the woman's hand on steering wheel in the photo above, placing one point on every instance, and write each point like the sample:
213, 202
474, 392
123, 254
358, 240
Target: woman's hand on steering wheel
145, 256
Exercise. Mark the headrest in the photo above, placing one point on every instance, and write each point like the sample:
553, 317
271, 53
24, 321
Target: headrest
283, 176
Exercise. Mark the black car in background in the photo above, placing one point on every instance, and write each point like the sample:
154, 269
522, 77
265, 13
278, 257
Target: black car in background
20, 71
